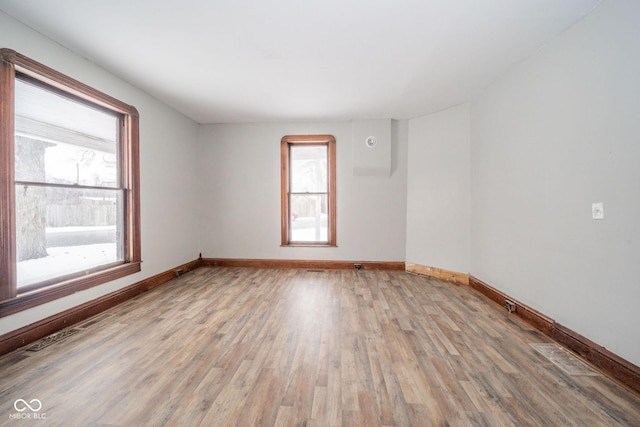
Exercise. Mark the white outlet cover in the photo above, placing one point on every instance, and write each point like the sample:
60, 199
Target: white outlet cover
597, 210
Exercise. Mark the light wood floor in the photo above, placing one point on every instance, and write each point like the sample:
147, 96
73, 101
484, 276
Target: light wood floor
233, 346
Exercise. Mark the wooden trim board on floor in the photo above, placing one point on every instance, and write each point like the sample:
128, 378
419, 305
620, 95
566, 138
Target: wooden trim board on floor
310, 264
541, 322
438, 273
613, 365
610, 363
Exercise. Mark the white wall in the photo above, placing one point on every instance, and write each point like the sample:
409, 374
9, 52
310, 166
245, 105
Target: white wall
556, 134
240, 173
438, 190
169, 186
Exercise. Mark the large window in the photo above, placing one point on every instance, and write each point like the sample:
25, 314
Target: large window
308, 190
69, 185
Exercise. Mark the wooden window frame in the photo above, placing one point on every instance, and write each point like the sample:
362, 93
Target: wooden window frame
285, 167
12, 301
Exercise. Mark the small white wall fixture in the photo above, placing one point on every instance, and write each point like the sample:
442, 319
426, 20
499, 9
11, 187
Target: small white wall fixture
371, 141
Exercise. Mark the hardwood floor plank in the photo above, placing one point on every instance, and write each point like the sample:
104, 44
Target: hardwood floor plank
383, 401
319, 406
286, 417
245, 346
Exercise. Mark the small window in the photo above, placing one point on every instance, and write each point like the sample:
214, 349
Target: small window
70, 160
308, 190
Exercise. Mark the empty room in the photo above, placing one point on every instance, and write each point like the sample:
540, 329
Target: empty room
319, 213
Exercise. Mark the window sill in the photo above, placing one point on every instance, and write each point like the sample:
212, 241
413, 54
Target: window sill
308, 245
50, 293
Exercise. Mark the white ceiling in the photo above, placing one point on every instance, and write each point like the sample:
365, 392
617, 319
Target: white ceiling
220, 61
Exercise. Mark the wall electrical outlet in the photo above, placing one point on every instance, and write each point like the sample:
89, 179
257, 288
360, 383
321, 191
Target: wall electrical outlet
597, 210
509, 305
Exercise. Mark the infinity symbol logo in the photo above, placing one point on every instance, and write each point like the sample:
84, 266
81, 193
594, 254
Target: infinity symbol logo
21, 405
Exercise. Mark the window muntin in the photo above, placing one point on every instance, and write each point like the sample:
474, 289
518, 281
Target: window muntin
70, 185
308, 190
